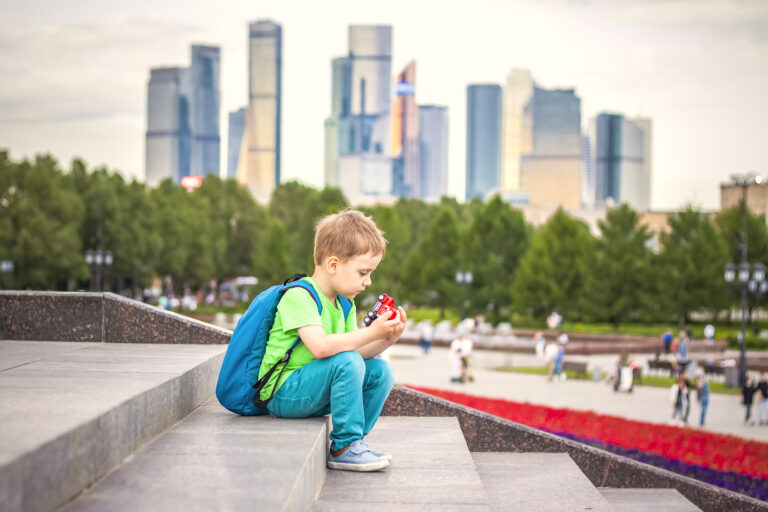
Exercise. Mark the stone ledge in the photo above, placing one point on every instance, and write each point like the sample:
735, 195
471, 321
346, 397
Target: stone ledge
487, 433
100, 317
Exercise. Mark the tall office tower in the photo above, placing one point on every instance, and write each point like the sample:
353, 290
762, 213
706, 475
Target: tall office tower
645, 185
483, 139
433, 151
358, 134
619, 150
205, 98
517, 94
587, 173
259, 166
551, 170
168, 131
405, 136
235, 140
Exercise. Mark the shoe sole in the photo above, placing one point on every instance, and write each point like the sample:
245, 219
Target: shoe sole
373, 466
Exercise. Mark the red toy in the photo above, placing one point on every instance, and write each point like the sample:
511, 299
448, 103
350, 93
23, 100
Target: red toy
385, 304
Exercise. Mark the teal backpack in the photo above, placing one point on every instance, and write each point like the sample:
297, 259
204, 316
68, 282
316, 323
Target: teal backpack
239, 386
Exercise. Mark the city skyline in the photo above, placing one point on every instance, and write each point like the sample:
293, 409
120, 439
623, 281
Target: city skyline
75, 78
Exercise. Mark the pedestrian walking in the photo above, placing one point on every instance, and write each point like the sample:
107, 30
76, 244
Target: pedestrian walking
550, 354
678, 399
540, 342
702, 392
666, 340
747, 397
762, 404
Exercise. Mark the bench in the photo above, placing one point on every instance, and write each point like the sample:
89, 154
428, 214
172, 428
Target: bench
662, 365
577, 367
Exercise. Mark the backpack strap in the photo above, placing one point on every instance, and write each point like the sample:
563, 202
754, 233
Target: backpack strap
293, 282
346, 305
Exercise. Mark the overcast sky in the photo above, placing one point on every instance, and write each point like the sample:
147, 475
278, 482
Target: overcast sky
73, 74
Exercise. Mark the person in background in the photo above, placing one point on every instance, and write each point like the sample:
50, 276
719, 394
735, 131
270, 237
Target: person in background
466, 358
550, 354
747, 397
666, 339
540, 342
682, 347
425, 341
678, 399
709, 333
762, 397
702, 392
454, 360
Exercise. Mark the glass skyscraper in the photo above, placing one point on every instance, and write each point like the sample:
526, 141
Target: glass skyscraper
619, 149
517, 94
551, 169
235, 141
168, 126
483, 139
205, 98
406, 180
259, 169
433, 151
358, 133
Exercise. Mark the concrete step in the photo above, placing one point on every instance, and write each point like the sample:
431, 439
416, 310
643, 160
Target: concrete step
431, 469
216, 460
647, 500
540, 482
73, 411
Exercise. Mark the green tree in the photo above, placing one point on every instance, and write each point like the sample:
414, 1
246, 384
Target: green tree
692, 261
431, 267
729, 222
387, 277
617, 284
496, 240
273, 265
551, 273
41, 216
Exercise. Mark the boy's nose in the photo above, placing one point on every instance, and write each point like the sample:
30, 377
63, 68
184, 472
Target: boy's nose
367, 281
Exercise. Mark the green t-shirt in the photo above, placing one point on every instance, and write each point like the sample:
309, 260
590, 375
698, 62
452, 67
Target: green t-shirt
297, 309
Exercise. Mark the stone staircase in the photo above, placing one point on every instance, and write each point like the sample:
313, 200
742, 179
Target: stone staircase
134, 426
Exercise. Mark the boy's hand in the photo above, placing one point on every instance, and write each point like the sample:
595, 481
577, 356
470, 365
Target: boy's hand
398, 331
384, 328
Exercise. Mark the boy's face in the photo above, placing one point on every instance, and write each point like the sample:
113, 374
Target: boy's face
352, 276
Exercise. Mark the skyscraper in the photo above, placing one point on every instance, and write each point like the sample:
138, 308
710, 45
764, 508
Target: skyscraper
205, 98
235, 140
433, 151
358, 133
517, 94
405, 136
259, 166
168, 132
619, 148
483, 139
551, 170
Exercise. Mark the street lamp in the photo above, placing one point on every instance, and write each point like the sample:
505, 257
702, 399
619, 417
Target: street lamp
96, 261
464, 279
743, 181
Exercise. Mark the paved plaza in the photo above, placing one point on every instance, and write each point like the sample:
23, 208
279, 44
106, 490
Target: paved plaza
646, 403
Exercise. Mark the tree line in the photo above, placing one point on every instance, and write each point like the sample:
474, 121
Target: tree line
49, 217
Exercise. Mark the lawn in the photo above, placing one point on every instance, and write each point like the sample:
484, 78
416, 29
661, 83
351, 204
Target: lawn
648, 380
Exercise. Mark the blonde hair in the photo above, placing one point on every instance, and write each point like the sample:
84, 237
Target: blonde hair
347, 234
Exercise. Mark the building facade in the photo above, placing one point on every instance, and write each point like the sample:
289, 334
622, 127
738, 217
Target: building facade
517, 93
167, 144
358, 134
620, 148
406, 181
551, 169
235, 141
433, 152
483, 171
259, 164
205, 99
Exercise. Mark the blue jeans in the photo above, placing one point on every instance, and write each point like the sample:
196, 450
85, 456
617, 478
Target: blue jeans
704, 405
351, 389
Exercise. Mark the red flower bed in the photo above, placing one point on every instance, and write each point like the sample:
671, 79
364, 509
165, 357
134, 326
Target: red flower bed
717, 451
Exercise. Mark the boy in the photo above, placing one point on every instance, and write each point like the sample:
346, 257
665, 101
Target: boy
334, 370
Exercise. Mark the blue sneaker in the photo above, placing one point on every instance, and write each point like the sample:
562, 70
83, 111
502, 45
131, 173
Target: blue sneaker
381, 455
358, 457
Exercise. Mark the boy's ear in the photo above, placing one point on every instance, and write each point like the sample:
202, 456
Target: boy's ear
332, 264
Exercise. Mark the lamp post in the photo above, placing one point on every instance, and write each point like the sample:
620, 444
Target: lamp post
7, 268
464, 279
96, 261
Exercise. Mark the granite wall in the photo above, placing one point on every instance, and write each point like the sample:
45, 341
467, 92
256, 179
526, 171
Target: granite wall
98, 317
487, 433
